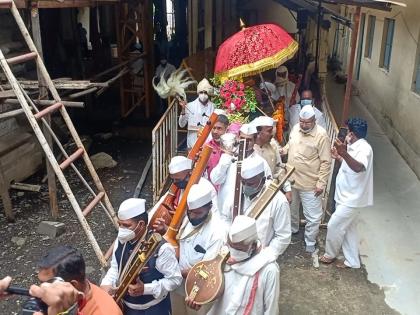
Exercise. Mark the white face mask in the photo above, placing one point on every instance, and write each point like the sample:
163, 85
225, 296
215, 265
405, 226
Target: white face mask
203, 97
125, 235
239, 255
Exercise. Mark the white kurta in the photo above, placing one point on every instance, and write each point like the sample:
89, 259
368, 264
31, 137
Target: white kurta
294, 116
273, 225
224, 174
287, 91
166, 263
196, 116
239, 280
356, 189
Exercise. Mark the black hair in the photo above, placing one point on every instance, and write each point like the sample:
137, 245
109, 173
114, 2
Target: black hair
223, 119
358, 126
142, 217
66, 262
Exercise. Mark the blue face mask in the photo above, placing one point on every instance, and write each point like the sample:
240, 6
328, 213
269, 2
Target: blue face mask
305, 102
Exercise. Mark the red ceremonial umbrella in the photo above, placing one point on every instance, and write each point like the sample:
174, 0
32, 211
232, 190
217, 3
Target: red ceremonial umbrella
253, 50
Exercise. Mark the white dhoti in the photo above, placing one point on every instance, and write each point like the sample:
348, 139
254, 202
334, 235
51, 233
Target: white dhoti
312, 210
342, 233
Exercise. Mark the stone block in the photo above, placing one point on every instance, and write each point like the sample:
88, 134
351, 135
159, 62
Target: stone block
51, 229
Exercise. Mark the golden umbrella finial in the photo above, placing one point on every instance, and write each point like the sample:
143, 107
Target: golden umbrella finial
241, 24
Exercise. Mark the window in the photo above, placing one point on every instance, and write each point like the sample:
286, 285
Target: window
387, 37
369, 36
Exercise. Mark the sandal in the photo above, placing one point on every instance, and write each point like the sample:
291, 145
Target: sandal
326, 260
341, 265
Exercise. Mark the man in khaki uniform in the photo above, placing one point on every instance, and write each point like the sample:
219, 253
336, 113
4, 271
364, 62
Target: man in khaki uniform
309, 151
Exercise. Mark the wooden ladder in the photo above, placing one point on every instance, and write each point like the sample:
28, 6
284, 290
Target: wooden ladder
38, 117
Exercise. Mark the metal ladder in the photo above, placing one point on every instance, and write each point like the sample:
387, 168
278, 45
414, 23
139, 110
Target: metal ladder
36, 118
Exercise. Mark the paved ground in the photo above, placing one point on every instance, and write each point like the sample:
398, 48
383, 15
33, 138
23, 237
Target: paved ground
388, 231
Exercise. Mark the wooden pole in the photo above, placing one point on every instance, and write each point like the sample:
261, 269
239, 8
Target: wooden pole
43, 94
347, 95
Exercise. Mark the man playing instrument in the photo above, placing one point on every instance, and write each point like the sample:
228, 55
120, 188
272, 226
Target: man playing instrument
149, 295
273, 224
267, 147
252, 283
68, 263
200, 237
196, 114
179, 172
308, 151
224, 174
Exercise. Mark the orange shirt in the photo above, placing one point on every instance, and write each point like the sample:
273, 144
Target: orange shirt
98, 302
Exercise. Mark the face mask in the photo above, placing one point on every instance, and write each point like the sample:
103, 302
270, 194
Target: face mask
203, 97
250, 190
125, 235
182, 183
239, 255
306, 131
305, 102
198, 221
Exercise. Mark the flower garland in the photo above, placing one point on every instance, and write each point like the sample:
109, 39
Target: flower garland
236, 99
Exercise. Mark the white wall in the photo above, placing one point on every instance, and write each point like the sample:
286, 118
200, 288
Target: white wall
388, 94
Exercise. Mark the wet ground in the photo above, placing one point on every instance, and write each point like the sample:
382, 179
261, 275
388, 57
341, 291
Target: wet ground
304, 289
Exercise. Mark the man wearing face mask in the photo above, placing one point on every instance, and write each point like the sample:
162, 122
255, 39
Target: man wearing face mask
200, 237
284, 86
273, 225
179, 172
267, 147
150, 294
197, 113
224, 174
354, 190
252, 280
164, 68
306, 100
308, 151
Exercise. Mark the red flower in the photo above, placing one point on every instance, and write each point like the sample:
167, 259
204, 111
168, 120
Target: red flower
241, 86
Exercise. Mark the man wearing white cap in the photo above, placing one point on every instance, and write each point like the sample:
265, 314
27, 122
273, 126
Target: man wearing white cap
179, 171
150, 294
273, 225
224, 174
267, 147
197, 113
306, 100
200, 237
309, 151
252, 283
284, 86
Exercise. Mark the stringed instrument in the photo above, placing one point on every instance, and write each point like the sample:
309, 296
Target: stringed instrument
167, 204
237, 199
196, 174
205, 281
144, 253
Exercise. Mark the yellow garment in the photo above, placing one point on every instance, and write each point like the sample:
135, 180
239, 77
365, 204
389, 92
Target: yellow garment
310, 154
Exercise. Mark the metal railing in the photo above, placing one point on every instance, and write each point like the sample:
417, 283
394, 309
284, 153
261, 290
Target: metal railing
164, 144
332, 130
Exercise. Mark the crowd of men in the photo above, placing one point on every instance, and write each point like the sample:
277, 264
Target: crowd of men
251, 274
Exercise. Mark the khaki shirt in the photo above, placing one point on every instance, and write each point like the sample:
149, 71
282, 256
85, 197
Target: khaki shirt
310, 154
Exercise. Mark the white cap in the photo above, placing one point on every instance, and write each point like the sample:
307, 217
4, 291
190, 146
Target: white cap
282, 69
248, 129
131, 208
219, 111
179, 163
242, 229
252, 166
199, 195
307, 112
204, 85
263, 121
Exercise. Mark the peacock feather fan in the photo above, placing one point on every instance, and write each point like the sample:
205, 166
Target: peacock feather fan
175, 85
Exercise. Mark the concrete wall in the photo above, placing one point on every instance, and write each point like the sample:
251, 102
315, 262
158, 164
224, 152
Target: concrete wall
388, 94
